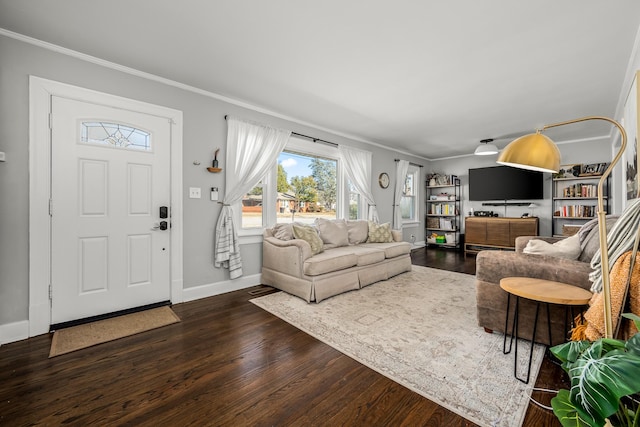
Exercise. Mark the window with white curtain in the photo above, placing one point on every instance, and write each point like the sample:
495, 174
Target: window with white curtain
409, 204
286, 194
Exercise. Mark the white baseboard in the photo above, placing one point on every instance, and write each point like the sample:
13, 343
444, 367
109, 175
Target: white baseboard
15, 331
209, 290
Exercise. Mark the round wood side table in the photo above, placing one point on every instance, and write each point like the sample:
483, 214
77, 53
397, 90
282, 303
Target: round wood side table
542, 292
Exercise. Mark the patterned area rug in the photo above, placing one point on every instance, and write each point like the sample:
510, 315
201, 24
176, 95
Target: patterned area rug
419, 329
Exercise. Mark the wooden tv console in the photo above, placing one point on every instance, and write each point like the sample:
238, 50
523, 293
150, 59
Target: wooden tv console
496, 232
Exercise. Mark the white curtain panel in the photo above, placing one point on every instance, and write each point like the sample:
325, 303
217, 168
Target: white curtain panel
357, 164
402, 166
252, 149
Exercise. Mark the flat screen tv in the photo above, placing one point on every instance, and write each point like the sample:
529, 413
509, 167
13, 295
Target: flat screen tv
505, 183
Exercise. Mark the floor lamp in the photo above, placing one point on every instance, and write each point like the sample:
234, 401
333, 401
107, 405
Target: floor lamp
538, 152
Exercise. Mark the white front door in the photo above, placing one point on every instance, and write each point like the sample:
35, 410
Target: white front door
110, 176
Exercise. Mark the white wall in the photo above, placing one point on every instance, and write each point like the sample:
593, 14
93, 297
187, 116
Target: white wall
204, 130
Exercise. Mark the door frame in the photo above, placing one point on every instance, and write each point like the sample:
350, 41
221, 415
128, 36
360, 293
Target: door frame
40, 92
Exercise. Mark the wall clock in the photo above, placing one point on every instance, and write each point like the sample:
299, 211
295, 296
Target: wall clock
383, 180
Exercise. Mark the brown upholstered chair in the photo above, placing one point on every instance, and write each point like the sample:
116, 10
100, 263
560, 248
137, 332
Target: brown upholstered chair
491, 266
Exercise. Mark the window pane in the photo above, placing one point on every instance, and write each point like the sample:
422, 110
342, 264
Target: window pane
408, 203
354, 201
408, 186
115, 135
252, 208
407, 207
306, 187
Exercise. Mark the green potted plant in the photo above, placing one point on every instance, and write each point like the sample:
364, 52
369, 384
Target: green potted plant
604, 374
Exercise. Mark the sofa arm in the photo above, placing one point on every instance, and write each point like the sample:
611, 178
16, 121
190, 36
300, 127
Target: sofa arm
521, 241
491, 266
285, 256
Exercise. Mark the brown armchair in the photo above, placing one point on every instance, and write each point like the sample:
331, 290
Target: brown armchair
491, 266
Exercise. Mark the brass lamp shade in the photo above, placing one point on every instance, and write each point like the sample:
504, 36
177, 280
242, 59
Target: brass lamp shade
534, 152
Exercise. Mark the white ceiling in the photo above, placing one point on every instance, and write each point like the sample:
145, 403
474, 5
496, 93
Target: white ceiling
430, 78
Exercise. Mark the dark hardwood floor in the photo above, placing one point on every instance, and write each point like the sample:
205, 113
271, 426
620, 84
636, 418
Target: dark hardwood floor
227, 363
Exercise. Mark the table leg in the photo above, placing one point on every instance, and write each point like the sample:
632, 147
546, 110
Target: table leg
506, 328
535, 328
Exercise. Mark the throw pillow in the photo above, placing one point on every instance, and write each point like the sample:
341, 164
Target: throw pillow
310, 235
283, 231
333, 233
358, 231
568, 248
379, 233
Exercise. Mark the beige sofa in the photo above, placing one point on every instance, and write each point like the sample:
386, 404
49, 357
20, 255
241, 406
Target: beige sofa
348, 259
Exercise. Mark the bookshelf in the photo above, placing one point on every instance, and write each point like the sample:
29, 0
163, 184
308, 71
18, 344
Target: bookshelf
443, 212
575, 201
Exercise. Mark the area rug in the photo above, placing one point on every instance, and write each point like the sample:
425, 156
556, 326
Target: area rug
90, 334
419, 329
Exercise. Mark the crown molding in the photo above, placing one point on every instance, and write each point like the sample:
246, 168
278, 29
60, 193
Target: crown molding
152, 77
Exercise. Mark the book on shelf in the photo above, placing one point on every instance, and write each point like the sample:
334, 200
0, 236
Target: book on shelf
442, 209
576, 211
580, 190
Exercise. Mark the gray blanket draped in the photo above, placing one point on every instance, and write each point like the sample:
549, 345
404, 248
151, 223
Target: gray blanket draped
227, 250
620, 239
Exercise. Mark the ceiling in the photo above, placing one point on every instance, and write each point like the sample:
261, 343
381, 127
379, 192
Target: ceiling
430, 78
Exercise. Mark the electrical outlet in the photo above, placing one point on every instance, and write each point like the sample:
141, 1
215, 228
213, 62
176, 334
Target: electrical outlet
194, 192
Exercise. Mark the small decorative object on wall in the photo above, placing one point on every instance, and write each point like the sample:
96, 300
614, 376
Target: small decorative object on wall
215, 158
569, 171
630, 157
383, 180
214, 164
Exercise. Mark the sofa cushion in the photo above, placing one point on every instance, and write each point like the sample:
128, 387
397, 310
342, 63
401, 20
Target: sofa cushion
329, 261
379, 233
393, 249
367, 255
333, 232
358, 231
310, 235
566, 248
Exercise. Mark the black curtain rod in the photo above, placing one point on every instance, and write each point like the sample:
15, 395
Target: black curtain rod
314, 139
412, 164
308, 137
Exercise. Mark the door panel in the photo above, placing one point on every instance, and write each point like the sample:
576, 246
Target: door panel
110, 175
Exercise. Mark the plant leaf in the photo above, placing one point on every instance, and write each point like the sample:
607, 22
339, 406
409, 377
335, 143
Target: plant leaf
598, 383
569, 351
633, 345
571, 415
634, 317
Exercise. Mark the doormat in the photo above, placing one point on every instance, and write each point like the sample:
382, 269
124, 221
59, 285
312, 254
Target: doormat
94, 333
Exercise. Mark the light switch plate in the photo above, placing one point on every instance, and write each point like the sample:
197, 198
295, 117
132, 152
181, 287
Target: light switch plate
194, 192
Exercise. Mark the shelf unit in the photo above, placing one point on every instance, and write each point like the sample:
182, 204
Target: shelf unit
443, 213
575, 202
